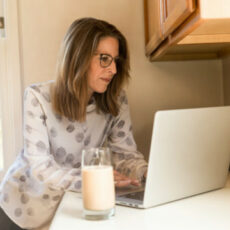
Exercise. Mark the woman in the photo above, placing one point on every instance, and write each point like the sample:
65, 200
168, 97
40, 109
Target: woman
84, 107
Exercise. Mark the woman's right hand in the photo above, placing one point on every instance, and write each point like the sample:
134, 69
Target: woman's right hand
121, 180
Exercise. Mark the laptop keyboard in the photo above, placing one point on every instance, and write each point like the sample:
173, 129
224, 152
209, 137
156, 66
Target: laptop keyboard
135, 195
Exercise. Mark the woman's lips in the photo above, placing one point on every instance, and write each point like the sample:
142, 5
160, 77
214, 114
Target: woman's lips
107, 80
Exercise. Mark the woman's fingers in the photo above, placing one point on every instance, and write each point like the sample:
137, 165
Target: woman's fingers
120, 177
122, 180
122, 183
135, 182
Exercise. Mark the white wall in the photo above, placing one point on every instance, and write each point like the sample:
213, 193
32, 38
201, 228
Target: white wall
154, 86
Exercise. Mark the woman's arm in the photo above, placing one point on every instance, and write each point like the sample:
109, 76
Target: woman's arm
37, 149
127, 160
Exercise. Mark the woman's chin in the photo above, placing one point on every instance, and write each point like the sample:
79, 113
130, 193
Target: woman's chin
102, 90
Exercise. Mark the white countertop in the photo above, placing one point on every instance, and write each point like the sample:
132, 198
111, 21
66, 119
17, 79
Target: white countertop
209, 211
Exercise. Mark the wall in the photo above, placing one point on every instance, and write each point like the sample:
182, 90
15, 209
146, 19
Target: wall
154, 86
226, 79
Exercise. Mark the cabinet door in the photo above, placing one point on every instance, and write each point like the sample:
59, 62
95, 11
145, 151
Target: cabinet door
174, 13
153, 30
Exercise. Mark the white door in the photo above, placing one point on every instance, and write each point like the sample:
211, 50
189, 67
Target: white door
10, 87
2, 72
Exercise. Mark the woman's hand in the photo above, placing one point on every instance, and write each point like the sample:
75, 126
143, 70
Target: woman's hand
123, 181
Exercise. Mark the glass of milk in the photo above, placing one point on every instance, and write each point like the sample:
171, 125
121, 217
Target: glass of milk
98, 189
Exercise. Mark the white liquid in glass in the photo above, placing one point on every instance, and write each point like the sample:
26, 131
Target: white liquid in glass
98, 187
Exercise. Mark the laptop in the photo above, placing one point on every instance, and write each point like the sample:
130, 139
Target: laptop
189, 155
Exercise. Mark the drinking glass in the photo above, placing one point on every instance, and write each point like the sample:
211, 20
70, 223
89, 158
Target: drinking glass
98, 189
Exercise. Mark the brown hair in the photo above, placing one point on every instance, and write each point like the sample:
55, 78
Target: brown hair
70, 91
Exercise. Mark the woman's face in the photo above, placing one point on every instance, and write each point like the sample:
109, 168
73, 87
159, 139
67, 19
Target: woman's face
100, 75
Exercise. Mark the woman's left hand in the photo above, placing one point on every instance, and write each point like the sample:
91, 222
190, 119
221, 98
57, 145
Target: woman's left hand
124, 181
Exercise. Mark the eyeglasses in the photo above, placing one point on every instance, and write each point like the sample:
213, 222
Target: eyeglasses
106, 60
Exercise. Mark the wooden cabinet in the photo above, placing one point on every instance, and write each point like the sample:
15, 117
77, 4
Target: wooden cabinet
153, 30
186, 29
174, 12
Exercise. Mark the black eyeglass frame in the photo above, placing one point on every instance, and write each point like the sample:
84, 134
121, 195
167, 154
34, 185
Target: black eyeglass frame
102, 55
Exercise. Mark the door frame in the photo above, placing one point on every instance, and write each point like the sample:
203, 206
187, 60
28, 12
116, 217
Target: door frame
11, 85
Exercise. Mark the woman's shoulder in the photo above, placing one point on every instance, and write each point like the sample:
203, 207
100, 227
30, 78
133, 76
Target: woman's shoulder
41, 86
40, 90
122, 97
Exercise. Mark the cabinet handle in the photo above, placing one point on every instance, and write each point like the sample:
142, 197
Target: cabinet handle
2, 24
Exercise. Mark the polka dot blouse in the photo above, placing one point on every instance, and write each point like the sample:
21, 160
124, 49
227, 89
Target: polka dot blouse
50, 162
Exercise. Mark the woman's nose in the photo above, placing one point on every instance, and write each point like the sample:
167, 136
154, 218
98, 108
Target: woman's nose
113, 67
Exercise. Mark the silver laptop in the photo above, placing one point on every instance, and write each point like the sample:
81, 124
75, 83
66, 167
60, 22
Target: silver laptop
189, 155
